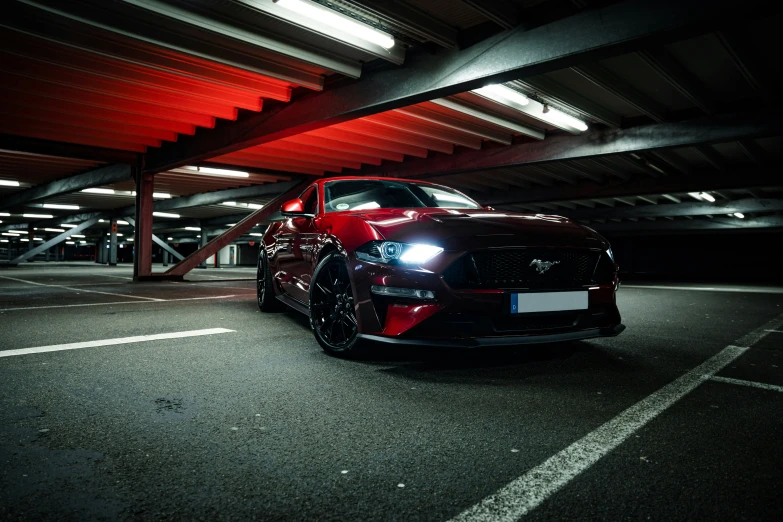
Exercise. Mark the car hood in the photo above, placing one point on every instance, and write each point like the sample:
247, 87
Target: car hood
471, 229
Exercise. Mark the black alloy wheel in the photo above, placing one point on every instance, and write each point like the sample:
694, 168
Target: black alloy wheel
265, 292
332, 308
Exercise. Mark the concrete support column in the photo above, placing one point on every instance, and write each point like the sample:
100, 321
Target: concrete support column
30, 244
48, 251
217, 259
165, 256
142, 261
113, 243
202, 243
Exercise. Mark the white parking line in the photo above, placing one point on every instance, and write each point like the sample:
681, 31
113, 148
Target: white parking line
110, 342
751, 384
80, 289
771, 290
119, 303
528, 491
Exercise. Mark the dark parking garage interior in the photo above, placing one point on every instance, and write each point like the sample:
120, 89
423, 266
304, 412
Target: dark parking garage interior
148, 146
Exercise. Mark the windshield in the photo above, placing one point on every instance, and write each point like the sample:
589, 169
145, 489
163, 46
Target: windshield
365, 194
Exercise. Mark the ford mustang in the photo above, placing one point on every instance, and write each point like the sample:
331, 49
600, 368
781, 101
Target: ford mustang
416, 263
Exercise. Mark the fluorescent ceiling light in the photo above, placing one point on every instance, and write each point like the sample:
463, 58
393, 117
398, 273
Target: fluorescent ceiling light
257, 234
5, 214
101, 221
98, 191
37, 239
555, 116
220, 172
7, 183
694, 195
82, 242
707, 197
119, 235
67, 225
161, 195
197, 229
24, 239
78, 235
10, 234
255, 206
3, 241
38, 216
129, 239
170, 239
230, 203
501, 93
543, 112
121, 222
165, 214
54, 230
338, 21
231, 224
61, 207
739, 215
70, 243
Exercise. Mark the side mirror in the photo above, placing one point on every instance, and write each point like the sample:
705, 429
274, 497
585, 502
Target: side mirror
293, 208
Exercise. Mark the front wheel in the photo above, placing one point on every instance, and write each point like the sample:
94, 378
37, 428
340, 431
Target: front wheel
265, 292
332, 307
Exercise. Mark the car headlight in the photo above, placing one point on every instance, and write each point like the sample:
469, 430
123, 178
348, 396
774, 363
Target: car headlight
392, 252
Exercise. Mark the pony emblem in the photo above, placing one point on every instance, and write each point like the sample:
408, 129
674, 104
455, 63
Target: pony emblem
543, 266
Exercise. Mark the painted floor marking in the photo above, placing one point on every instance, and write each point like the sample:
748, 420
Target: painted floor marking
772, 290
751, 384
525, 493
81, 289
118, 303
111, 342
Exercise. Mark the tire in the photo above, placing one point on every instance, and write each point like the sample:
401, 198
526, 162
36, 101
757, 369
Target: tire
332, 308
265, 291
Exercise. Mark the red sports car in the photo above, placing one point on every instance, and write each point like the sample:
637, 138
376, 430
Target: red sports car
411, 262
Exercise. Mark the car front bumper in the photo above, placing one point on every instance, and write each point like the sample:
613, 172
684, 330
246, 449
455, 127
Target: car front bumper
512, 340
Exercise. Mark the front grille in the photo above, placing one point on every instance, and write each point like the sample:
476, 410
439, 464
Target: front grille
518, 268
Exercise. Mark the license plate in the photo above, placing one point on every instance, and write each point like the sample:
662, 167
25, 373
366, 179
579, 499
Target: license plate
548, 302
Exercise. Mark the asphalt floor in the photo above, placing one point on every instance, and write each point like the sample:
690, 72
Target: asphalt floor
254, 421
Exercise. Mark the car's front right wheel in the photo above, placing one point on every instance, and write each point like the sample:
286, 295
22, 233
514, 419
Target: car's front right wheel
332, 307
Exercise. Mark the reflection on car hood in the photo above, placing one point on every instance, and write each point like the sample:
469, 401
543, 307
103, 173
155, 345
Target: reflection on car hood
471, 229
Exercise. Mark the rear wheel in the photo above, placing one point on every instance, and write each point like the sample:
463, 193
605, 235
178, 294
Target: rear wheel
332, 308
265, 292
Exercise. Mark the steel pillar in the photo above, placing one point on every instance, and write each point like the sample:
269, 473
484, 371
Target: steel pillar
113, 243
142, 261
202, 243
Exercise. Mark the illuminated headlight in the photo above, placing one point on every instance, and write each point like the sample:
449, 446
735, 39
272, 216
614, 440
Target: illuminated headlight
402, 292
391, 252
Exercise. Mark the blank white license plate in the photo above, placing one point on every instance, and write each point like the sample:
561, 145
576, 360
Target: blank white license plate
548, 302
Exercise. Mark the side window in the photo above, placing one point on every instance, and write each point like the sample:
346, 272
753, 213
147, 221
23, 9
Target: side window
310, 199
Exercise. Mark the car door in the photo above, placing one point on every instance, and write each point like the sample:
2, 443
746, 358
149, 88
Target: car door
296, 241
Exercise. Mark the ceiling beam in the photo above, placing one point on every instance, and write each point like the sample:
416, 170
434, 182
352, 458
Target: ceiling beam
502, 12
714, 129
694, 208
679, 77
94, 178
723, 223
623, 90
66, 150
641, 186
592, 35
749, 62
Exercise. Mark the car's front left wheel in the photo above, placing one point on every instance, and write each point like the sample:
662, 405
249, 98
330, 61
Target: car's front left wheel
332, 307
265, 292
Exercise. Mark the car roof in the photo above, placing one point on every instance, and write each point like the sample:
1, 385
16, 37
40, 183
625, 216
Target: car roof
363, 178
